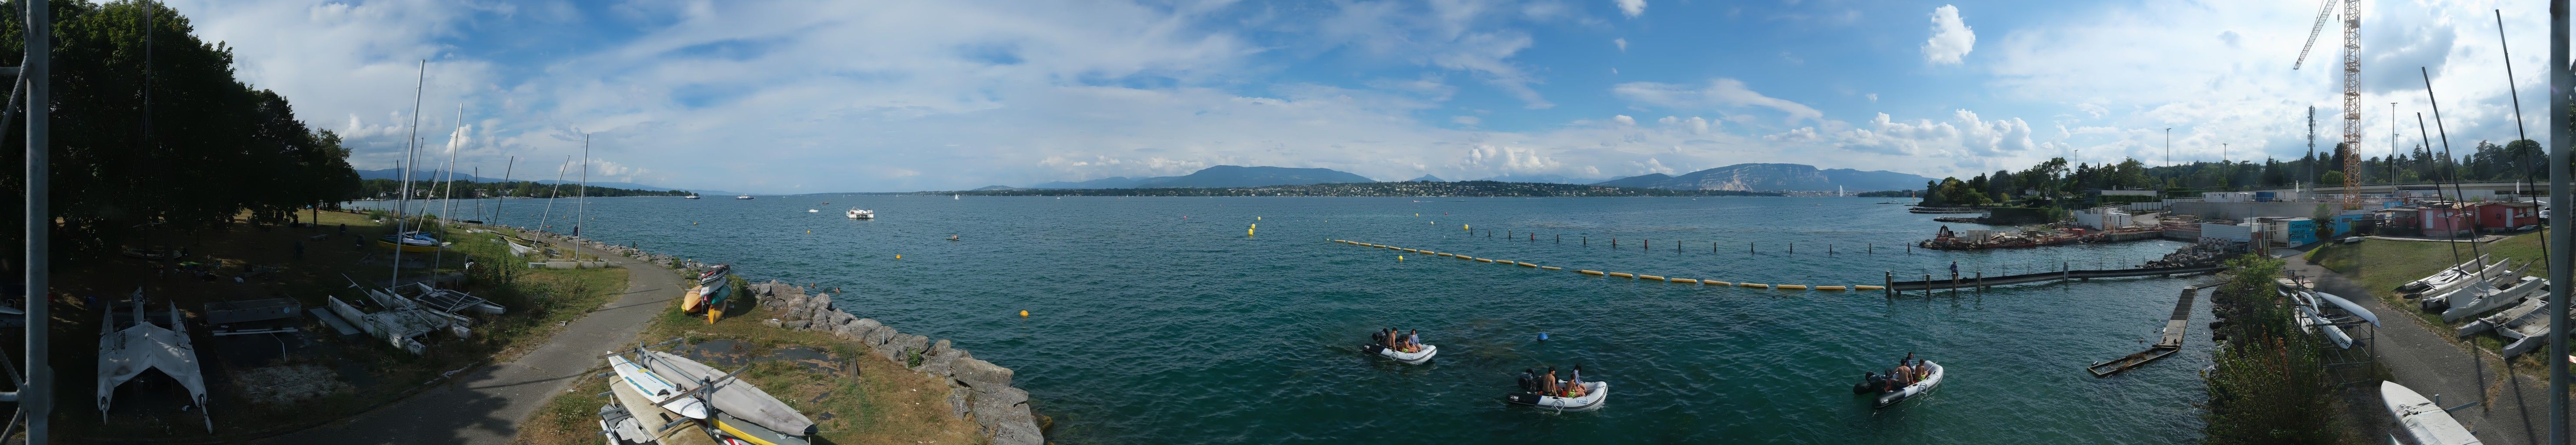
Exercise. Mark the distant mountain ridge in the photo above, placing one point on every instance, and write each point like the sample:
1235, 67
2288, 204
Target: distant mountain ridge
1774, 177
1219, 177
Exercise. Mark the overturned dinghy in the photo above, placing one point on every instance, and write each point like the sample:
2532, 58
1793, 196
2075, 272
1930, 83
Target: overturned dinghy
2479, 299
131, 342
741, 410
1410, 358
1593, 394
2427, 423
2439, 297
2447, 276
1909, 391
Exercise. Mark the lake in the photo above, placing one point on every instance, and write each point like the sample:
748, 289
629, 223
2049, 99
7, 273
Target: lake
1158, 320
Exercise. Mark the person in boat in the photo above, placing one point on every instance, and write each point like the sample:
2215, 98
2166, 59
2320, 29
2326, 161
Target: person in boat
1574, 382
1904, 374
1547, 382
1529, 380
1413, 341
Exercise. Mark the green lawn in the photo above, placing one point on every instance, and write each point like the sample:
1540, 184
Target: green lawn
2385, 264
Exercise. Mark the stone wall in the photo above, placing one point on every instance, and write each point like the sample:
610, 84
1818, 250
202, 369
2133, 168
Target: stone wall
978, 389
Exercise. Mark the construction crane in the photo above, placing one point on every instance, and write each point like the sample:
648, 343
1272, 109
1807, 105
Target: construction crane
2351, 90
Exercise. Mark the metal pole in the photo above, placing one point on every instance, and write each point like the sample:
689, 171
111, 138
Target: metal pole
2559, 82
35, 399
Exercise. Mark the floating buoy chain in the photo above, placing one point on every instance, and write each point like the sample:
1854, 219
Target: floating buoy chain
1608, 274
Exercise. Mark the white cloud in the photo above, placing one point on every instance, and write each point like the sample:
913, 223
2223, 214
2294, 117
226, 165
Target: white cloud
1622, 42
1964, 135
1467, 120
1951, 38
1624, 120
1873, 97
1720, 93
1631, 8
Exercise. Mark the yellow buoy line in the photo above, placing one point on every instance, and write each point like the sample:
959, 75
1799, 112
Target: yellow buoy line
1619, 274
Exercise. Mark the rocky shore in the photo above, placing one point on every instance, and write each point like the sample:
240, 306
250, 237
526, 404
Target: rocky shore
978, 389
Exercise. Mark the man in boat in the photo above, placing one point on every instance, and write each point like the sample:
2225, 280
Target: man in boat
1547, 382
1904, 375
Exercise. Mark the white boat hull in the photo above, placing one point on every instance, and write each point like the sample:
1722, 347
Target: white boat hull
1925, 386
656, 389
1410, 358
2489, 299
1594, 394
2427, 423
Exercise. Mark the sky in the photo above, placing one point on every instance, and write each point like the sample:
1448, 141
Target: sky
837, 96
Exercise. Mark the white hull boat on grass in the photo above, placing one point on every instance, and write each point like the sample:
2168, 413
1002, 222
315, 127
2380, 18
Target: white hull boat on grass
654, 388
1593, 394
2427, 423
2480, 299
1924, 386
2445, 277
2439, 297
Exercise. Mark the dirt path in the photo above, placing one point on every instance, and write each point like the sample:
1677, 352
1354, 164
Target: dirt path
2423, 358
486, 406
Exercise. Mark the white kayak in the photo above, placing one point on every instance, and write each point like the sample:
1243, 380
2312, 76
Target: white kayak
2428, 423
654, 388
1916, 389
1410, 358
1594, 393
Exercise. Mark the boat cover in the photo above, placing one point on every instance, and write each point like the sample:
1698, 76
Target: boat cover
125, 354
733, 397
2348, 306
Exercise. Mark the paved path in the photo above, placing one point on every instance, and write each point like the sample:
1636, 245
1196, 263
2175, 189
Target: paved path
2423, 358
486, 406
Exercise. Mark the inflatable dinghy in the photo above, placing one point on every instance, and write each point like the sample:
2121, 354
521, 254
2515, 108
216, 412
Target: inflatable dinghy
1909, 391
1412, 358
1594, 394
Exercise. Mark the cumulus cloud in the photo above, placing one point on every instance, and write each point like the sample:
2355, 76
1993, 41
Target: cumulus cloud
1631, 8
1621, 42
1964, 134
1624, 120
1951, 38
1720, 93
1467, 120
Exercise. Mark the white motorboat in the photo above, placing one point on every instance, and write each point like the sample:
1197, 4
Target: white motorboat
2484, 298
1410, 358
1909, 391
655, 388
743, 197
2426, 422
813, 210
857, 213
1593, 394
691, 196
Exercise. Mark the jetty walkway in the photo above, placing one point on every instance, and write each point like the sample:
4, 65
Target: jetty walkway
1981, 282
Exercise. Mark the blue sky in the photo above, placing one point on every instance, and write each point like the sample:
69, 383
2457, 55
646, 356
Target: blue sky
818, 96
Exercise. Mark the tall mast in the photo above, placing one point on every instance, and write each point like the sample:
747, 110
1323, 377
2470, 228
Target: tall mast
447, 206
552, 192
581, 197
411, 157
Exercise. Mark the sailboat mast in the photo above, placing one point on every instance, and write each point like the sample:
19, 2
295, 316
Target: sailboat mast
506, 169
552, 192
447, 206
411, 155
581, 197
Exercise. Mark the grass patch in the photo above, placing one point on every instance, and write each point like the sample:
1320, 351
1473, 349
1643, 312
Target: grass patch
864, 399
2386, 264
2338, 257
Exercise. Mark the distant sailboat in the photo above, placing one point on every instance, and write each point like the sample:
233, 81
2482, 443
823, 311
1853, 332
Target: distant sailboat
954, 197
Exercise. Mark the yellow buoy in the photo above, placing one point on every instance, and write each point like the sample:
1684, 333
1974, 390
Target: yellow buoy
1551, 268
1589, 272
1868, 287
1464, 227
898, 256
1651, 277
1829, 288
1399, 258
1417, 215
1715, 283
1623, 274
1792, 286
1024, 313
1256, 218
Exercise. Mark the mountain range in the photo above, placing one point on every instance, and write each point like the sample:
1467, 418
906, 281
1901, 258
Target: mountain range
1778, 177
1219, 176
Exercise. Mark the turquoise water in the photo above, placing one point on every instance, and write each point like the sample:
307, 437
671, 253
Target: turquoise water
1150, 328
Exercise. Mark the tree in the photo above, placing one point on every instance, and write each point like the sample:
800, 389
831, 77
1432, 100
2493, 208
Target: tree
2334, 178
207, 148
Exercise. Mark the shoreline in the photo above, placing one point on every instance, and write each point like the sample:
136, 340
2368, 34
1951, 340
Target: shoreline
979, 389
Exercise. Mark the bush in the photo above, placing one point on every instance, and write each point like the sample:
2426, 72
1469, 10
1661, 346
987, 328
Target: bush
2271, 385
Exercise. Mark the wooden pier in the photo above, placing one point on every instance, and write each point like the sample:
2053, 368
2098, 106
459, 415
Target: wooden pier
2171, 343
1981, 282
